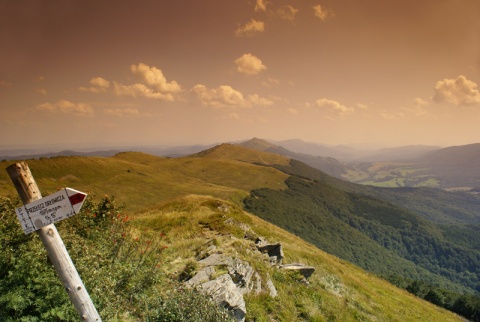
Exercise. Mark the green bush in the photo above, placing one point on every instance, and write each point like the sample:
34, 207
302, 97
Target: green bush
120, 268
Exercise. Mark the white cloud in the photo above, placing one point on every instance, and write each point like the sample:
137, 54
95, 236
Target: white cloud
420, 102
154, 78
100, 82
121, 112
271, 82
362, 106
459, 91
287, 12
333, 106
155, 85
249, 64
100, 85
226, 97
66, 107
140, 90
251, 28
262, 101
323, 13
261, 5
222, 96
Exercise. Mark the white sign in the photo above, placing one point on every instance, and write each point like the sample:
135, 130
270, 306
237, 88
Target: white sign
48, 210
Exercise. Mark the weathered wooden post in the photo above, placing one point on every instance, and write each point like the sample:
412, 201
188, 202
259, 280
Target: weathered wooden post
28, 190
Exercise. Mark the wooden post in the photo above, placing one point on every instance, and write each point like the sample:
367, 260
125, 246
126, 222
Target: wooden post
28, 190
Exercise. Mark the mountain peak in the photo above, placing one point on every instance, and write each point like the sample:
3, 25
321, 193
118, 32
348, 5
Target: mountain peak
258, 144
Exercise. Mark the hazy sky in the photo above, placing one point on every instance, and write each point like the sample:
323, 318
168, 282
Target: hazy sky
170, 72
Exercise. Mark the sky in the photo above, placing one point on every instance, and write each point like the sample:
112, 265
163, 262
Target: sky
76, 74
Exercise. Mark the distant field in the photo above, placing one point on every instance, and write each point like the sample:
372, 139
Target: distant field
391, 174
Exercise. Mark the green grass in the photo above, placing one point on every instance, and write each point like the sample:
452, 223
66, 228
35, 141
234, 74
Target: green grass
139, 180
338, 291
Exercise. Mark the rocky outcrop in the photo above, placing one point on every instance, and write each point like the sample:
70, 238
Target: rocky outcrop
274, 251
305, 271
227, 279
225, 293
227, 290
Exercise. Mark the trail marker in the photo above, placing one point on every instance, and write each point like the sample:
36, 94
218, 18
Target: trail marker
48, 210
39, 214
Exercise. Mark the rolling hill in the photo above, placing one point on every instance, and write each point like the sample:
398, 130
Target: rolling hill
376, 229
328, 165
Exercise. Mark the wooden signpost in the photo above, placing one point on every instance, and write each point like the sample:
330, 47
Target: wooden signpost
39, 214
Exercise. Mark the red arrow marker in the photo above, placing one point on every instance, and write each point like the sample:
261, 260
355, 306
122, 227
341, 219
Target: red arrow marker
77, 198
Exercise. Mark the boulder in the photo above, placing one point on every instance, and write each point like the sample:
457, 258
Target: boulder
274, 251
272, 291
305, 271
224, 292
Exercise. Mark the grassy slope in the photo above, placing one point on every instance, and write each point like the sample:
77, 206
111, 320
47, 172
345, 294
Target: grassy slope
139, 180
337, 291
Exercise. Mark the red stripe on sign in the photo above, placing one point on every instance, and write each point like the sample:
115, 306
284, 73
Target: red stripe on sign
76, 198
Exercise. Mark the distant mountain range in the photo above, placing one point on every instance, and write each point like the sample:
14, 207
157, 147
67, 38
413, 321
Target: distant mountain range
409, 166
456, 167
349, 154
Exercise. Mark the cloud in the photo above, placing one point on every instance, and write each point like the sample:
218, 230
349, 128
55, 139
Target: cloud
323, 13
100, 85
226, 97
121, 112
362, 106
250, 28
154, 78
155, 85
140, 90
233, 116
41, 91
222, 96
420, 102
287, 12
249, 64
293, 111
271, 82
4, 83
66, 107
261, 5
262, 101
334, 106
459, 91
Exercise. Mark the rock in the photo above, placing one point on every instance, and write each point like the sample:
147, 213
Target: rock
207, 252
224, 292
242, 275
217, 260
271, 288
306, 271
274, 251
202, 276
